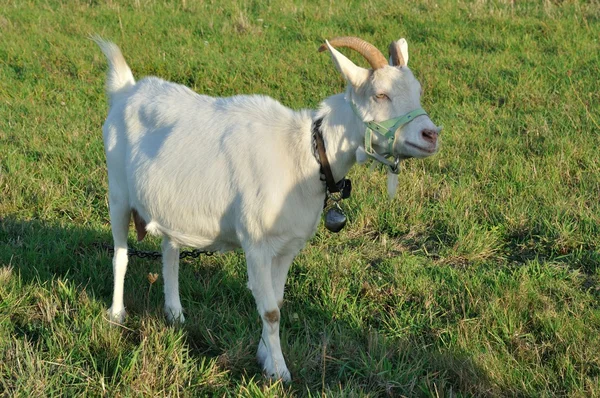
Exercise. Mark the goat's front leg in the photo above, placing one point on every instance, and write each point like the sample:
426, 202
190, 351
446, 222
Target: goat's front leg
170, 258
279, 272
260, 282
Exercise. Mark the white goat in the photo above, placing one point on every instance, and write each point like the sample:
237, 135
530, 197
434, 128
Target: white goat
225, 173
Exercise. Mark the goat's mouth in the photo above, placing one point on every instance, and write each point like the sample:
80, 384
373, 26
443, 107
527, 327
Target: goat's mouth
431, 150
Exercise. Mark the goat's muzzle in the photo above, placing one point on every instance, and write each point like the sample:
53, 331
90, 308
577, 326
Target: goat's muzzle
429, 136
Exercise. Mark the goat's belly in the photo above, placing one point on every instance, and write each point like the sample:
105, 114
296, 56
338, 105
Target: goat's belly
229, 240
230, 230
217, 242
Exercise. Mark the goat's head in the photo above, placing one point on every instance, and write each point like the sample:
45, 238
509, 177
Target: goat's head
384, 92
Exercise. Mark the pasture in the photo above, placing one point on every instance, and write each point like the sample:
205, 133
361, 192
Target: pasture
481, 277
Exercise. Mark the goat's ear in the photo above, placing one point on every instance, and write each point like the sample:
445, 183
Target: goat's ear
354, 74
399, 53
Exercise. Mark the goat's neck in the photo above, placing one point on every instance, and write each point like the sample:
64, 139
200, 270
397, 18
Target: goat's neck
342, 132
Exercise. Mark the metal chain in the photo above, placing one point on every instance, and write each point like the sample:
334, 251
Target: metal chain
156, 255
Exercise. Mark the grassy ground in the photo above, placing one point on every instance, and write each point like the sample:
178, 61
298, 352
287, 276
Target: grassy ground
480, 278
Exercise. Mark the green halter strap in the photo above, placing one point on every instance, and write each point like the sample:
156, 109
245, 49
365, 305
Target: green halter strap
385, 130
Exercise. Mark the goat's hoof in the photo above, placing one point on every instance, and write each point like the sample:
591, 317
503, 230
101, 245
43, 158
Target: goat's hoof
275, 370
117, 316
285, 375
174, 315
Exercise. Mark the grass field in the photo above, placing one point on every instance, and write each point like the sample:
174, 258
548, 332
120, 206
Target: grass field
481, 278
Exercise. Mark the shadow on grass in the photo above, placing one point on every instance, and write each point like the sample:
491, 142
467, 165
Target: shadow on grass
325, 353
536, 242
42, 251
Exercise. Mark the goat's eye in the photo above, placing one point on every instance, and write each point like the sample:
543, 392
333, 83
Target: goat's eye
382, 97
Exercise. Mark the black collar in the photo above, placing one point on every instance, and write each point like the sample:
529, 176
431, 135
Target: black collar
344, 185
322, 156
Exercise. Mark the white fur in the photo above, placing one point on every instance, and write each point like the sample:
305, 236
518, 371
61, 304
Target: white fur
225, 173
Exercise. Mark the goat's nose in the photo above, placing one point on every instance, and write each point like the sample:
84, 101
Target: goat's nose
429, 135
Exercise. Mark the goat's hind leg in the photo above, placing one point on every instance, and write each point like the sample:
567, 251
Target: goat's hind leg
170, 258
119, 222
260, 282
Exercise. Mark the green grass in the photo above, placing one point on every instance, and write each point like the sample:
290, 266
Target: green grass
480, 278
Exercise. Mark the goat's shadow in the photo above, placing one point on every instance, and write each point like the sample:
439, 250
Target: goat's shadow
212, 289
41, 253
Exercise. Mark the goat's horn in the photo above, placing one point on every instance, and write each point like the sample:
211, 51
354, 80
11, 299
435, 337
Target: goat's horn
396, 55
367, 50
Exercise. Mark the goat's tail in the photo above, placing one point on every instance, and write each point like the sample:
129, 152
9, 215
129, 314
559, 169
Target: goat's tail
119, 79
